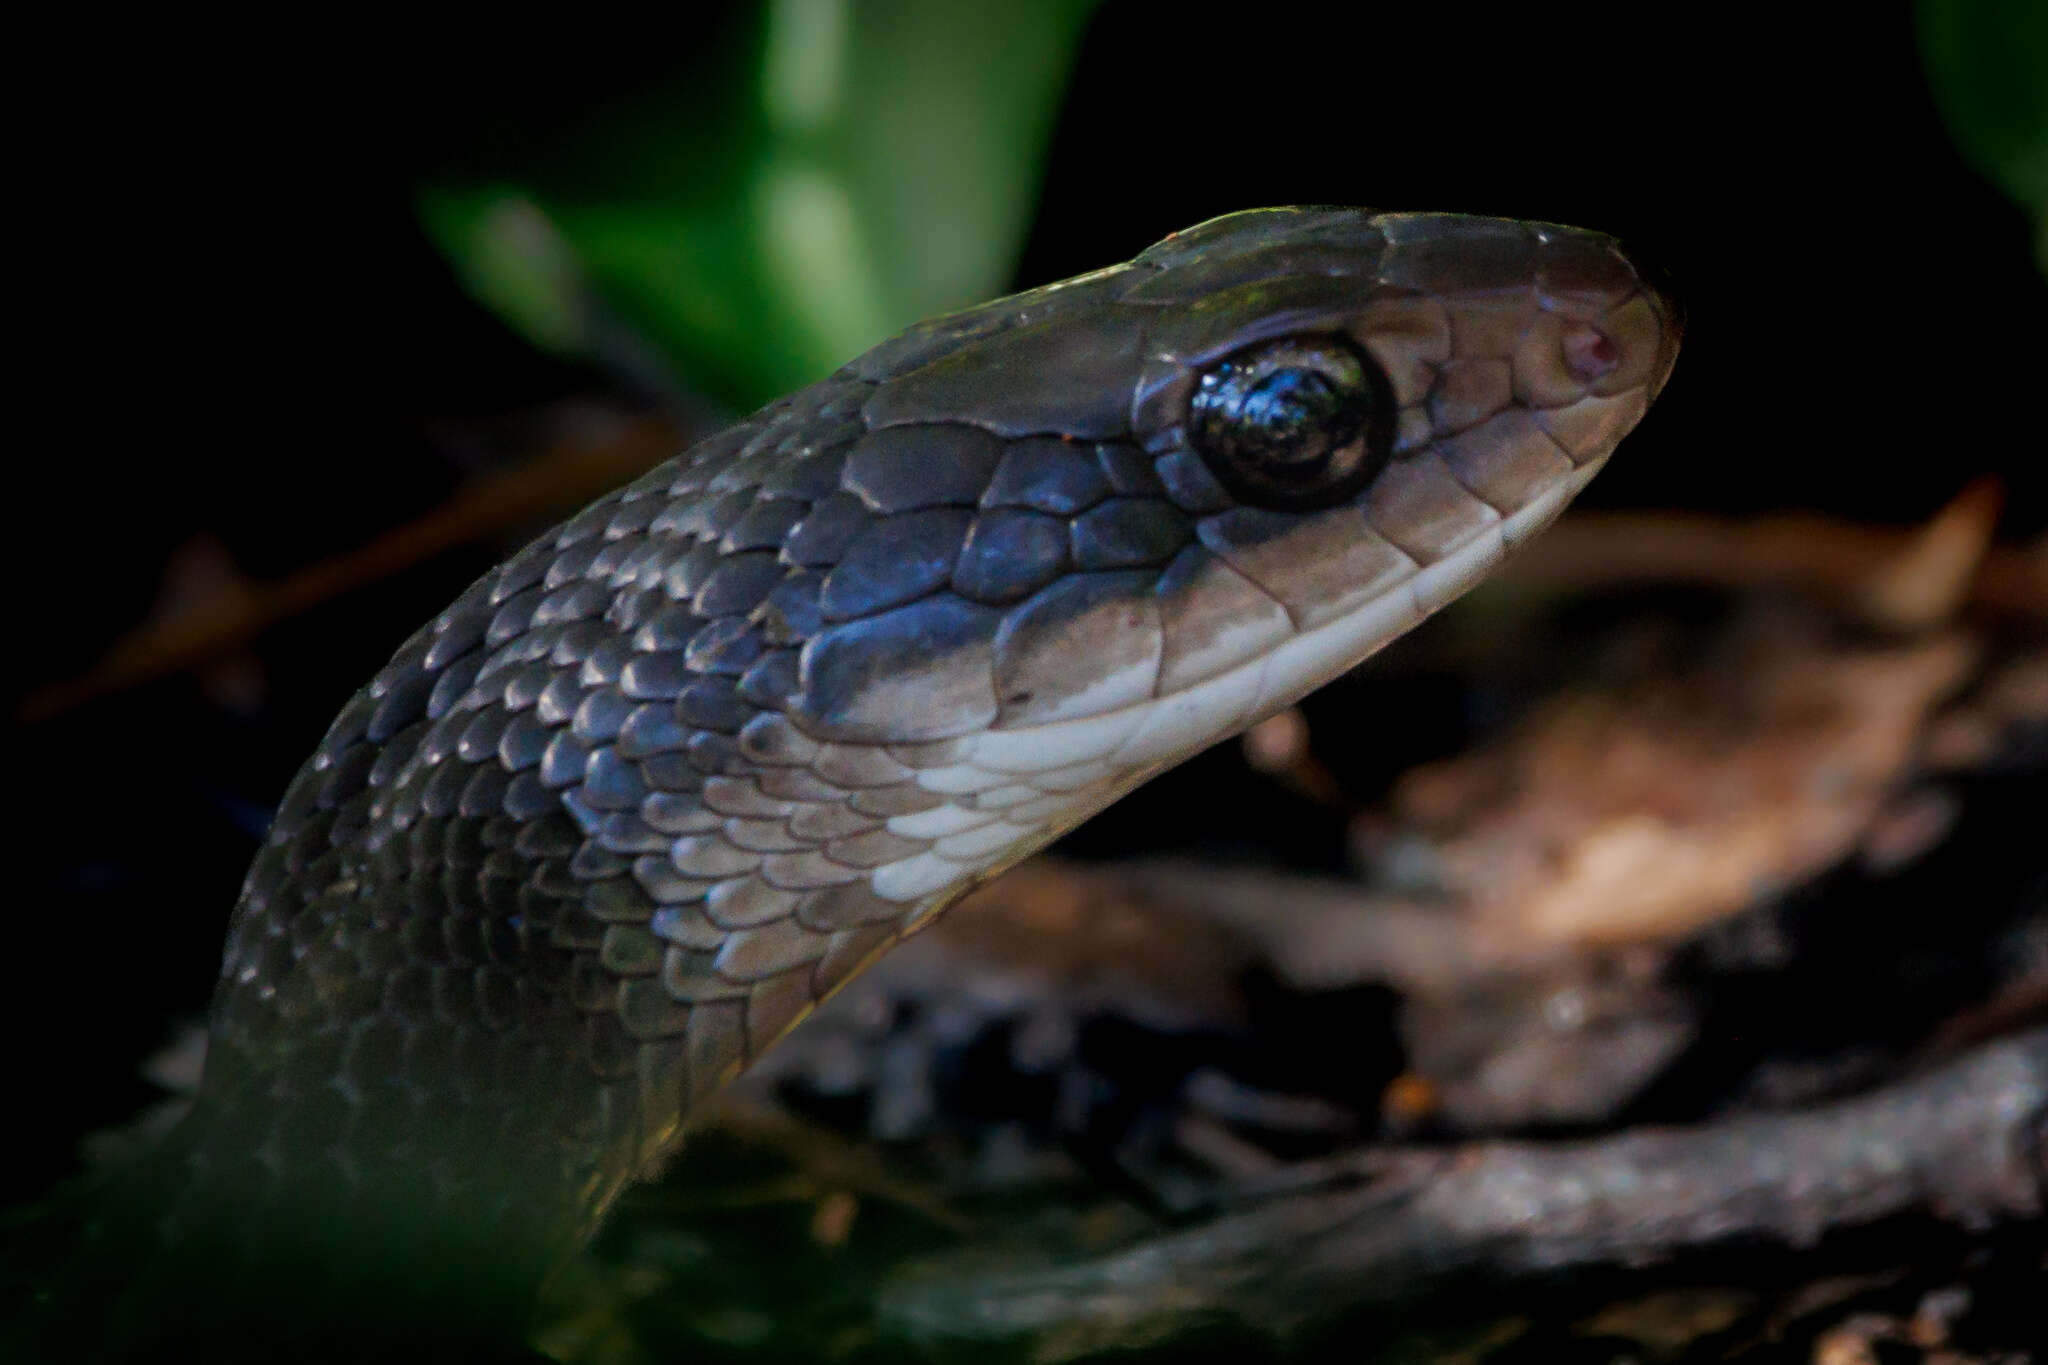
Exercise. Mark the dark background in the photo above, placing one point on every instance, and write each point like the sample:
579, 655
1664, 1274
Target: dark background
236, 329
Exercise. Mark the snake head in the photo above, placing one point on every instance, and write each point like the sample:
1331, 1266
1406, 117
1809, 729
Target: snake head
1173, 496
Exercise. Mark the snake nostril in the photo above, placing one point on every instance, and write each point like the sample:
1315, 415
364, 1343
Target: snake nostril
1590, 354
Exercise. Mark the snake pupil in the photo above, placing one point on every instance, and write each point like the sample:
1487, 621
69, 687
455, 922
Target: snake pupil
1298, 424
1303, 415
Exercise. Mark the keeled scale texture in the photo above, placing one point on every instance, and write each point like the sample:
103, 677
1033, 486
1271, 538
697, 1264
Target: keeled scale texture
565, 864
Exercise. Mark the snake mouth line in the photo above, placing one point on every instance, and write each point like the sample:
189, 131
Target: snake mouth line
1047, 779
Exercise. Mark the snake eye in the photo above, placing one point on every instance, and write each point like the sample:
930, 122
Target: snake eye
1294, 424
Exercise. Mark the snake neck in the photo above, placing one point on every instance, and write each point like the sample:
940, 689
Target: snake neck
378, 1157
208, 1247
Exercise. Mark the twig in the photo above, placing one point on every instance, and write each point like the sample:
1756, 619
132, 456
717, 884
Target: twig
1962, 1145
828, 1160
1814, 553
502, 501
1327, 932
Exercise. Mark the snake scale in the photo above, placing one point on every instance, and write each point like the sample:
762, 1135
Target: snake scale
644, 795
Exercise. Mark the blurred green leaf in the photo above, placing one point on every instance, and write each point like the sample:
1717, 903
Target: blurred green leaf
1987, 64
810, 178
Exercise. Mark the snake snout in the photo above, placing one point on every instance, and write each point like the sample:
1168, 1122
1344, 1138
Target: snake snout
1660, 287
1621, 315
1657, 277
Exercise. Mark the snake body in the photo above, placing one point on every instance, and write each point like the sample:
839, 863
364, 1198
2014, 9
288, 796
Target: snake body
644, 795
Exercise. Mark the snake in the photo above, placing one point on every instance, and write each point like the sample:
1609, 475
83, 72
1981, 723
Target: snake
650, 790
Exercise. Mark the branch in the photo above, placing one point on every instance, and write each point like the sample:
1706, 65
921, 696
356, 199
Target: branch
1822, 555
586, 461
1963, 1145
